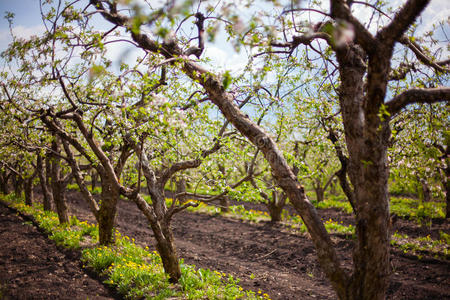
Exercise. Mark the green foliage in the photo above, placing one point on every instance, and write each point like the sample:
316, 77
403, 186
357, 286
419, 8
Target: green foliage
226, 81
332, 201
422, 245
415, 209
70, 236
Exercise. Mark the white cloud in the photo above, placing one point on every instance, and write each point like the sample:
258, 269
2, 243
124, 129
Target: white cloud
121, 52
26, 32
438, 10
20, 32
225, 60
217, 56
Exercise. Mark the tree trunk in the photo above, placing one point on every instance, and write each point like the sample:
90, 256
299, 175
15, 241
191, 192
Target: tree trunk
447, 197
4, 188
224, 203
94, 176
275, 206
59, 198
274, 212
47, 197
367, 138
320, 192
107, 212
166, 248
58, 186
181, 188
333, 187
446, 183
160, 224
29, 190
18, 185
426, 192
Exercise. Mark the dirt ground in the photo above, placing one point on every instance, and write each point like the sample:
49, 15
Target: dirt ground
268, 258
32, 267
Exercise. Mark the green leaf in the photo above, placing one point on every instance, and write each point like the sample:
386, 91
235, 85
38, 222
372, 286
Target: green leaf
226, 81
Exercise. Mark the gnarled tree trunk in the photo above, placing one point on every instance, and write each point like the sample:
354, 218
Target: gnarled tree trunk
159, 221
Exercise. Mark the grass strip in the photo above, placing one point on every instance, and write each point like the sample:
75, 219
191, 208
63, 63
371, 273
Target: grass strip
136, 272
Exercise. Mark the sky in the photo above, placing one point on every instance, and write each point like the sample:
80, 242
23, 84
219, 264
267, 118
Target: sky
28, 22
27, 19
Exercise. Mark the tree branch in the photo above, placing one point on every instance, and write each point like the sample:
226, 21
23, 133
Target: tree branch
340, 10
76, 171
441, 94
402, 20
438, 65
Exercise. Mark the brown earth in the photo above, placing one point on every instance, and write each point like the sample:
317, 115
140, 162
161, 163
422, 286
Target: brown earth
268, 258
412, 228
32, 267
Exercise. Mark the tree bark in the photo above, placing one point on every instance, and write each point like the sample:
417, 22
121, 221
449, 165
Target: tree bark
181, 188
47, 197
57, 184
275, 205
107, 212
163, 233
320, 193
274, 212
446, 183
426, 192
4, 177
18, 185
224, 203
28, 183
94, 177
367, 140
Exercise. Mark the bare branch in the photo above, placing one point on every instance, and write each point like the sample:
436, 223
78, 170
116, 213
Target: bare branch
402, 20
297, 40
207, 199
432, 95
438, 65
176, 209
76, 171
197, 51
54, 127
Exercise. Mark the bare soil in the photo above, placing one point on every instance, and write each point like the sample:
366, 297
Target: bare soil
33, 267
266, 257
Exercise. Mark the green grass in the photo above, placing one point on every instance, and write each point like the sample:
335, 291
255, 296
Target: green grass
75, 187
438, 248
133, 270
414, 209
404, 207
338, 202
